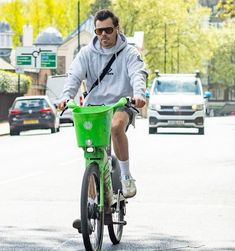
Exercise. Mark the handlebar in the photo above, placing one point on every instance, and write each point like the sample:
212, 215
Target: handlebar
125, 101
71, 104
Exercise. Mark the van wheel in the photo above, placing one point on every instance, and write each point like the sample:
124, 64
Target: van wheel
152, 130
201, 131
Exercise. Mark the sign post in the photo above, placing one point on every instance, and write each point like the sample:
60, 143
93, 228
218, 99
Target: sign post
36, 57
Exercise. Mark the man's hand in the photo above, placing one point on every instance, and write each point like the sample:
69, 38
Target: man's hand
139, 102
62, 104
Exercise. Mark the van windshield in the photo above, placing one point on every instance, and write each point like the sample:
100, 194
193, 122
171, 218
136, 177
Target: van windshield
179, 85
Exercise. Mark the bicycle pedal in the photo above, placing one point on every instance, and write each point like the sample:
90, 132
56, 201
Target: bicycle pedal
119, 222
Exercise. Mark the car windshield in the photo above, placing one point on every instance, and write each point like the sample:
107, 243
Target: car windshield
176, 85
31, 104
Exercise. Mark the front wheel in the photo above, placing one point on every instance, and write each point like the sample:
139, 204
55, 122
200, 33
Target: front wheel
201, 131
92, 218
152, 130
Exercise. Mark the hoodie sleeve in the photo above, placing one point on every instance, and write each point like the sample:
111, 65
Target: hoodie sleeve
137, 72
76, 74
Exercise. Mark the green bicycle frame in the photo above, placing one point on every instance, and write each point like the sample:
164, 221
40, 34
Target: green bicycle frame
93, 126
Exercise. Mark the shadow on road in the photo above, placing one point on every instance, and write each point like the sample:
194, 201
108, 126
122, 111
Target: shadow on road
51, 239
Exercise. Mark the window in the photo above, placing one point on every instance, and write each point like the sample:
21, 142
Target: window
172, 85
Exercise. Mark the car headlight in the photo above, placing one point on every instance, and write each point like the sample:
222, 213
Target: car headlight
198, 107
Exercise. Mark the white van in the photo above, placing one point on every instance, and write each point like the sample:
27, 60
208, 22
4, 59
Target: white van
177, 100
54, 88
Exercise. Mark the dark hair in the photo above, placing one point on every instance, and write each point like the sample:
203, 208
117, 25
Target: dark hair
101, 15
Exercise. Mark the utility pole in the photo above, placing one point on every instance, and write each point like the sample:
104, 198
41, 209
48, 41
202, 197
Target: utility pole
18, 83
79, 25
178, 52
165, 47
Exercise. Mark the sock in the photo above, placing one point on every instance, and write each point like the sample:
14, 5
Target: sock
124, 167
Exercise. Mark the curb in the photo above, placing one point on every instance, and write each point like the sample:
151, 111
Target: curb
4, 134
4, 129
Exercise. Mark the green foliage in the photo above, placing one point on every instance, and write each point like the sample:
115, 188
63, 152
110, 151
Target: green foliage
226, 9
63, 15
9, 82
174, 38
222, 66
100, 4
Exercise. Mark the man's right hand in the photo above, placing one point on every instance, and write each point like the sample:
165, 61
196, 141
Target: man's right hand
62, 104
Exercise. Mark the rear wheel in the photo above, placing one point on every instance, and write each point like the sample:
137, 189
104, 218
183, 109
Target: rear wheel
92, 219
152, 130
14, 132
115, 229
53, 130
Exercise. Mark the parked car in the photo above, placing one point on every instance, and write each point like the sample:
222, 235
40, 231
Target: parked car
177, 100
33, 112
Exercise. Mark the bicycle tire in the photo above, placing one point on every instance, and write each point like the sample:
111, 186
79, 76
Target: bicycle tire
92, 219
115, 230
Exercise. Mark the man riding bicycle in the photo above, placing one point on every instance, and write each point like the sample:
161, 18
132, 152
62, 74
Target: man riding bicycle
125, 77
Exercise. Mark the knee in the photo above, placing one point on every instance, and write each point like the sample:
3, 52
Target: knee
117, 127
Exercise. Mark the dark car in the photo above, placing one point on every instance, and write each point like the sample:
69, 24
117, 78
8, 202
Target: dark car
33, 112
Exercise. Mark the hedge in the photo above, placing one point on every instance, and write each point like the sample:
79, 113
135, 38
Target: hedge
9, 82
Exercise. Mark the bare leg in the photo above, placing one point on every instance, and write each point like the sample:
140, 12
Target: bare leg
118, 132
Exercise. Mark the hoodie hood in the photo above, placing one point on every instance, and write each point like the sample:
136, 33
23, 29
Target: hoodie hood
95, 46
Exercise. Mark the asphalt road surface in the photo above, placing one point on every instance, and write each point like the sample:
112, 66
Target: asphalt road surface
185, 181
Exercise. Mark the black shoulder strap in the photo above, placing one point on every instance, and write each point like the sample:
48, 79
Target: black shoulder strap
105, 70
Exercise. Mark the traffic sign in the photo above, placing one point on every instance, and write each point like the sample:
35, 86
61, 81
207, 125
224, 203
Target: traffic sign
24, 60
36, 57
48, 60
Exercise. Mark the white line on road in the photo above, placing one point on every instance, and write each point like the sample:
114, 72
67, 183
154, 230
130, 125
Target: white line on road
20, 178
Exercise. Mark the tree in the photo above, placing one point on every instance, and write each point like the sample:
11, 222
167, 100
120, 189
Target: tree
99, 4
222, 66
13, 14
63, 15
226, 9
175, 40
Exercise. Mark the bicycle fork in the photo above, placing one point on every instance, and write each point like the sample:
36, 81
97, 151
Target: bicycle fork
100, 157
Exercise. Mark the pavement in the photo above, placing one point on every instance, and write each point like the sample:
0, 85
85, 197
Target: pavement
4, 128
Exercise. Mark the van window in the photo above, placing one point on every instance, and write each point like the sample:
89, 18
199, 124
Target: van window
179, 85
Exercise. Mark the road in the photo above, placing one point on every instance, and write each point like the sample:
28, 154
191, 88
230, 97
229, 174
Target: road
185, 199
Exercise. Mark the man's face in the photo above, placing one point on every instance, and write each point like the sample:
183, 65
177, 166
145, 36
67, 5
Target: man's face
108, 36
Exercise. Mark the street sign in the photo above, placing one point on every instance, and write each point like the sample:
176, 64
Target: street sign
36, 57
24, 60
48, 60
19, 70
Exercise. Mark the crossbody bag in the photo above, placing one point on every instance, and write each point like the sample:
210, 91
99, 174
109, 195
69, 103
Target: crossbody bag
103, 73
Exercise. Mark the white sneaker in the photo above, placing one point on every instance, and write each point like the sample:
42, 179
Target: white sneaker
128, 186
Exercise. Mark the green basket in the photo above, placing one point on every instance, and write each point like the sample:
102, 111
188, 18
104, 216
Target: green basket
93, 125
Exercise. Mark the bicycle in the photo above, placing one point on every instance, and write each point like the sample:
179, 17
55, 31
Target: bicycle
102, 202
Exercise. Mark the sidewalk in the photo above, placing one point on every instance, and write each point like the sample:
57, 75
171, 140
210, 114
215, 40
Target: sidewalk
4, 128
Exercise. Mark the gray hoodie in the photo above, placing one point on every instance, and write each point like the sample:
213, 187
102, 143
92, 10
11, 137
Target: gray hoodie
126, 76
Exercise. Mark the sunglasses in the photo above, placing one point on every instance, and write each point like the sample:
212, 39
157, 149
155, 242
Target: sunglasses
107, 30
